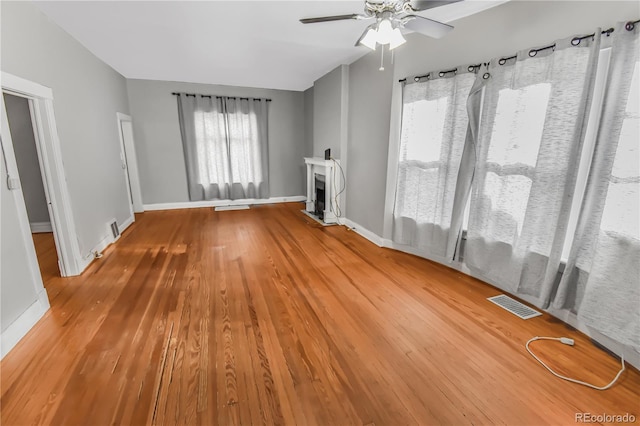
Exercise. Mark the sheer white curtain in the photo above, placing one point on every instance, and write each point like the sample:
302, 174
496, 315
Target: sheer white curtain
225, 146
602, 279
527, 128
434, 124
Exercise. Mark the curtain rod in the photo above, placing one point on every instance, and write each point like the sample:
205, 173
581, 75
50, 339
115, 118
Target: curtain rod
471, 68
215, 96
575, 42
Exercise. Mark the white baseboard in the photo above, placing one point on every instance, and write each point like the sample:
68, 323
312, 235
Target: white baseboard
40, 227
219, 203
21, 326
364, 232
105, 242
421, 253
127, 223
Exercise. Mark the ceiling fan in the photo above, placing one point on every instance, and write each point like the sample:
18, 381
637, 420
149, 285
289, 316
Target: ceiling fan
393, 17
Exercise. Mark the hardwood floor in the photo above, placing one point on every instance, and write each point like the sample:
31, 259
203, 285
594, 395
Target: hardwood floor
47, 256
263, 316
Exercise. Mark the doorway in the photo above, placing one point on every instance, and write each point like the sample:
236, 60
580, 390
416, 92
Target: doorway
129, 164
43, 127
20, 119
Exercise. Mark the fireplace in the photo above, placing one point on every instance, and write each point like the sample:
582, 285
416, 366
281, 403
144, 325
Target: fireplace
320, 189
320, 196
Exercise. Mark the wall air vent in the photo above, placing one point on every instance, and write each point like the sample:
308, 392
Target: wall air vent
115, 231
513, 306
226, 208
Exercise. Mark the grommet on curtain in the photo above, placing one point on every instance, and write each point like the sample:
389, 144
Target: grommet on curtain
629, 26
533, 53
576, 41
441, 74
471, 68
416, 79
502, 61
429, 76
486, 75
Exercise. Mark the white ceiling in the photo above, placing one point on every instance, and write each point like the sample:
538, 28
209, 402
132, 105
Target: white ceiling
238, 43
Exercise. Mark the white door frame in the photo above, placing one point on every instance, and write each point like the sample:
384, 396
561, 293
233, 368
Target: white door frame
55, 184
130, 165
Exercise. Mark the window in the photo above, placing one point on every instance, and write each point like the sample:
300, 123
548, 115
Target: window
513, 154
531, 117
621, 215
225, 145
422, 130
434, 125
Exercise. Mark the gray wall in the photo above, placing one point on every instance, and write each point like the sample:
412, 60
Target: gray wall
24, 146
308, 122
496, 32
87, 94
327, 113
368, 136
17, 291
159, 147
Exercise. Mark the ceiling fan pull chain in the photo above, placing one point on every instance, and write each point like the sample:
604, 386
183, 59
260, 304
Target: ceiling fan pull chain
381, 58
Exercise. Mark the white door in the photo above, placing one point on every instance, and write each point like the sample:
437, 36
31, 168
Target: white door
129, 162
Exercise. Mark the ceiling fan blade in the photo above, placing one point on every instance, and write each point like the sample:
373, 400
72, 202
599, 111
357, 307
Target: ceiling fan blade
330, 18
426, 26
419, 5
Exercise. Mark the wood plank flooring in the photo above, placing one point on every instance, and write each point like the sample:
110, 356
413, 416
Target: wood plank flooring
262, 316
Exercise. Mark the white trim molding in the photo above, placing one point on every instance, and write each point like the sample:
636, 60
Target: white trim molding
125, 225
130, 163
219, 203
364, 232
40, 227
24, 87
23, 324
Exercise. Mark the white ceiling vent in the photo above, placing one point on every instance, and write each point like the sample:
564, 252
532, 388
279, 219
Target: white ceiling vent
513, 306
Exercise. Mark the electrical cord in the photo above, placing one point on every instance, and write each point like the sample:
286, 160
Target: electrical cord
570, 342
334, 205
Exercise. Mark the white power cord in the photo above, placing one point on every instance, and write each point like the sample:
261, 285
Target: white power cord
570, 342
334, 205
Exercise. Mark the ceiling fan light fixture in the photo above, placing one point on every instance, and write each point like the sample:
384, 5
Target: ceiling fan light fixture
385, 31
370, 39
396, 39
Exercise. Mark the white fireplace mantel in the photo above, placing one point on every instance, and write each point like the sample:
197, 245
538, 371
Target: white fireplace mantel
320, 166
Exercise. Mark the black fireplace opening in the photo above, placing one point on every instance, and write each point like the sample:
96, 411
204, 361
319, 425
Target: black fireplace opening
319, 204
